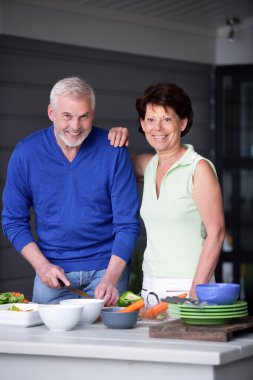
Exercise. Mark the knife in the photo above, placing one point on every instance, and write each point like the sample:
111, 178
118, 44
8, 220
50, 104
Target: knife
74, 290
186, 301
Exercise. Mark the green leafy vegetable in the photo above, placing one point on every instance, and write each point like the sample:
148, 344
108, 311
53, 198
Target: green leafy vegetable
4, 297
128, 298
12, 297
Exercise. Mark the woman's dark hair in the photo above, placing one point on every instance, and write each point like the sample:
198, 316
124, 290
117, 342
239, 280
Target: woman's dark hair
166, 95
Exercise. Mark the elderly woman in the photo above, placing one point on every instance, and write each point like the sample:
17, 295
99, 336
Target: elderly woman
182, 203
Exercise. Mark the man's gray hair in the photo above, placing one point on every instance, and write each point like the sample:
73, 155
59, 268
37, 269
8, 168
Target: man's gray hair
72, 86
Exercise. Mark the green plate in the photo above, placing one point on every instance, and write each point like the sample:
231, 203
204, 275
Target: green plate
210, 315
239, 306
206, 312
212, 307
210, 321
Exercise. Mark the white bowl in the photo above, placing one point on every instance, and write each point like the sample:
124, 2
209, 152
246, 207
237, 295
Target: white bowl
60, 317
28, 316
91, 308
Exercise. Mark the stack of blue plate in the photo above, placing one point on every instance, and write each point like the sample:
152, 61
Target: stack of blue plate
208, 315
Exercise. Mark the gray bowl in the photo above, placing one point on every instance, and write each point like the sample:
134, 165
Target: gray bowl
114, 320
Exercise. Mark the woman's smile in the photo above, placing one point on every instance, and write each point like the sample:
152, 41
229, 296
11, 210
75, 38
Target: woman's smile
159, 137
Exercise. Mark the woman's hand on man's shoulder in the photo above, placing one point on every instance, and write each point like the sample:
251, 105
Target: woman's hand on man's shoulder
118, 136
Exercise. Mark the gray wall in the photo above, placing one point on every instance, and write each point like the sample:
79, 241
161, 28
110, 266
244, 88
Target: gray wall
29, 68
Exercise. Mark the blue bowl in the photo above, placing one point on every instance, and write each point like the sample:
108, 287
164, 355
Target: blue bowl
218, 293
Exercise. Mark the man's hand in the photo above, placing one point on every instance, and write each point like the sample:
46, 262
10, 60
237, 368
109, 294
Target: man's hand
118, 136
49, 275
47, 272
107, 291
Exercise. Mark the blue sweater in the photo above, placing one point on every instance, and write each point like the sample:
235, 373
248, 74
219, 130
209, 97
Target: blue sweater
85, 210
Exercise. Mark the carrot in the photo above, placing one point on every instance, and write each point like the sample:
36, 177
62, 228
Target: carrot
15, 294
183, 295
133, 307
154, 311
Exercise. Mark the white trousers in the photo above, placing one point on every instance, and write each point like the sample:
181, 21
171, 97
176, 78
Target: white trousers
156, 288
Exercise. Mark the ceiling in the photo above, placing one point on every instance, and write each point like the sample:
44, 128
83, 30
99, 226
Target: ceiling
205, 15
210, 14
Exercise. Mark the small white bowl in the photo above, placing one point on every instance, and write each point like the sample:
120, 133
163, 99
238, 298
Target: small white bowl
60, 317
91, 308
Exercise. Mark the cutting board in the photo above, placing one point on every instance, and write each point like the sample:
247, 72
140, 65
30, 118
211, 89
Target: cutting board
176, 329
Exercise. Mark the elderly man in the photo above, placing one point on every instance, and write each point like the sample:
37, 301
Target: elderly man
84, 197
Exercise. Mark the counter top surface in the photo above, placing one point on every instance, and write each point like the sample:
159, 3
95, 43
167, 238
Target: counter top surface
97, 341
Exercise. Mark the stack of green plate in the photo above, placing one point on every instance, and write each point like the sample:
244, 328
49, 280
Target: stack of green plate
208, 315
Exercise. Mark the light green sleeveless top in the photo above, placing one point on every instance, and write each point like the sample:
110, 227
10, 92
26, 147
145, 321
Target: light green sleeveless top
175, 232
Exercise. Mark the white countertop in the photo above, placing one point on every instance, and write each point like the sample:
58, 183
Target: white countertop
98, 342
96, 352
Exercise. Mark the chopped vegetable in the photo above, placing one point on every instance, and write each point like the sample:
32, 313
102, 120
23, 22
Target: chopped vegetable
133, 307
4, 297
128, 298
12, 297
15, 308
154, 311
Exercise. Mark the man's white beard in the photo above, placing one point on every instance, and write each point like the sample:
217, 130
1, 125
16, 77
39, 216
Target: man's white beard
73, 144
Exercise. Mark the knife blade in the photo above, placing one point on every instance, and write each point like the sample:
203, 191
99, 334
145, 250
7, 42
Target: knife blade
185, 301
74, 290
